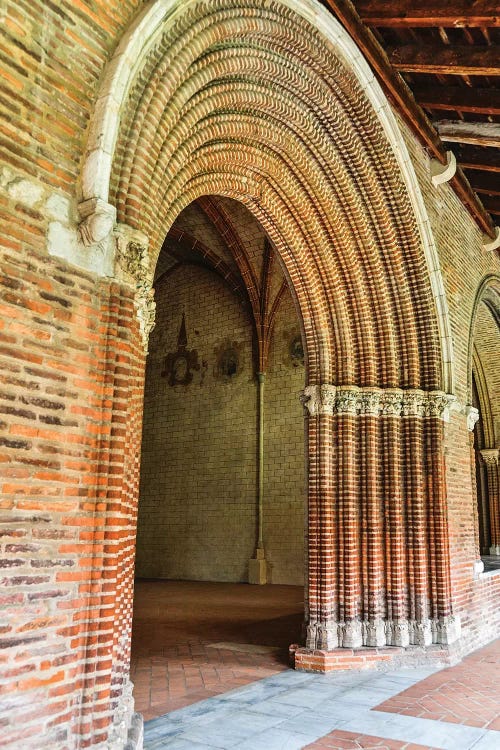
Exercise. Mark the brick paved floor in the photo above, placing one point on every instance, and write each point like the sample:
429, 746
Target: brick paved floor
193, 640
339, 740
464, 694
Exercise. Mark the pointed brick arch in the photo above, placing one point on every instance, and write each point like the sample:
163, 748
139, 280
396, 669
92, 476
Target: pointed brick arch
274, 107
483, 376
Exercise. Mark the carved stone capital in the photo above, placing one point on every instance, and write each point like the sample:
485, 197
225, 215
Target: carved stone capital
97, 221
414, 403
369, 401
440, 405
347, 400
392, 402
489, 456
131, 256
318, 399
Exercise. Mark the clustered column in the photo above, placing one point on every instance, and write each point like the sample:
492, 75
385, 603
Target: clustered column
490, 460
378, 536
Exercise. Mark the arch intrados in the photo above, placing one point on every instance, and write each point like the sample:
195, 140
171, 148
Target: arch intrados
358, 287
315, 313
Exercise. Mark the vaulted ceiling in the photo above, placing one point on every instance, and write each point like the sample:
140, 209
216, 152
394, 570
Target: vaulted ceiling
439, 63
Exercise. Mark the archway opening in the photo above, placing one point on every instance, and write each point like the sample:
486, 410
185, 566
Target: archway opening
222, 471
485, 397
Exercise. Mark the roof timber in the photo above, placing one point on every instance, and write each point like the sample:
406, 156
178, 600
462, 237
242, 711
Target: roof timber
400, 95
457, 60
430, 13
488, 183
476, 133
476, 157
491, 204
458, 99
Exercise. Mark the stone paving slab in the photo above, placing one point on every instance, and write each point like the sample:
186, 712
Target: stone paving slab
291, 710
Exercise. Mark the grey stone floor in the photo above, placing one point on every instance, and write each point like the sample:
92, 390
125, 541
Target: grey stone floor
292, 709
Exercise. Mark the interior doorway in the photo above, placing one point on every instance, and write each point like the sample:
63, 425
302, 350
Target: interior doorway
222, 472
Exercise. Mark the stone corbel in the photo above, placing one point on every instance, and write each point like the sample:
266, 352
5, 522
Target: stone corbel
472, 415
97, 221
492, 244
441, 173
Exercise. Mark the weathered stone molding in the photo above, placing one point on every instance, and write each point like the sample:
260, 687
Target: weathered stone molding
132, 266
127, 732
394, 402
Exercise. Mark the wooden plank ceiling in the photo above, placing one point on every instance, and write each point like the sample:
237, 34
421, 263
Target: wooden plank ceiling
439, 63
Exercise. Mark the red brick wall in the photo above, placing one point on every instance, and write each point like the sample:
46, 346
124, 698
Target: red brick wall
49, 89
476, 597
70, 410
71, 368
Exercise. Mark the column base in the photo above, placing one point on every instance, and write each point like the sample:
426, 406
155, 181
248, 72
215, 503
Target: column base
257, 568
379, 633
446, 630
495, 550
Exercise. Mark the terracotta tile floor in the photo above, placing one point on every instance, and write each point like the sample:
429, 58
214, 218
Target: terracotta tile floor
339, 740
464, 694
173, 663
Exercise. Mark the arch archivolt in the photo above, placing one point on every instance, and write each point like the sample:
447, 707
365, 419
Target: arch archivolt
272, 105
301, 102
484, 341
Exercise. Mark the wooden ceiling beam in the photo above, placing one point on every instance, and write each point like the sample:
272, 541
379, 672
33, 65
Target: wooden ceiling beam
485, 182
456, 60
458, 99
400, 95
475, 133
475, 157
428, 13
492, 205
